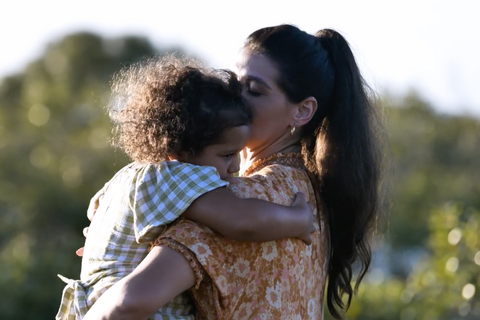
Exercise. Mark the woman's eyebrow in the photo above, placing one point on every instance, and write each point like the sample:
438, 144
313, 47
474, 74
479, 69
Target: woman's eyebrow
259, 80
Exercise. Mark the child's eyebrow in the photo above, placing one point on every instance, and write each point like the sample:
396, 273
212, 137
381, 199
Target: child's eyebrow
232, 151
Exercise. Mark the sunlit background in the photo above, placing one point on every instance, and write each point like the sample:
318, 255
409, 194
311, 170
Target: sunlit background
57, 58
431, 46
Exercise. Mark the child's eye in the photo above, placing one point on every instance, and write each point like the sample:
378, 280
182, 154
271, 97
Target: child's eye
228, 156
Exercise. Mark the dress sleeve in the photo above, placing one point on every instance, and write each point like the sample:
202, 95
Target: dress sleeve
161, 193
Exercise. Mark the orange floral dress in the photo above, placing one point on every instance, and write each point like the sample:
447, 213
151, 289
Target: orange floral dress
282, 279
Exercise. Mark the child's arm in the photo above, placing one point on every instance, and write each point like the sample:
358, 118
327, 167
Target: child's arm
252, 219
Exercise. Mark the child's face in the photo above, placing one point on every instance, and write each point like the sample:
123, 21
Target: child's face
223, 155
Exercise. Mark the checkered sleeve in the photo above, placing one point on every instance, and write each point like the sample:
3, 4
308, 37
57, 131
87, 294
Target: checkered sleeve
163, 192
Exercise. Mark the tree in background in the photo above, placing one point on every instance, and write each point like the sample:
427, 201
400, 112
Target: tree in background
435, 161
54, 155
445, 285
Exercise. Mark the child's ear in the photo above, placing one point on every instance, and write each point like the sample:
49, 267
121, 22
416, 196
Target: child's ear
181, 156
305, 111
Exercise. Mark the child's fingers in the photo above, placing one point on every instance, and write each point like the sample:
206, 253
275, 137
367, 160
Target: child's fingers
307, 239
93, 205
85, 232
299, 199
92, 208
311, 206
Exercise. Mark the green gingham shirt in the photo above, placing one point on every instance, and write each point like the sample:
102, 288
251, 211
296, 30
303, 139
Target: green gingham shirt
137, 204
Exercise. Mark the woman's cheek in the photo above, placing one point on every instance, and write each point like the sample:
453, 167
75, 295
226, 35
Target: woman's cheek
255, 136
258, 124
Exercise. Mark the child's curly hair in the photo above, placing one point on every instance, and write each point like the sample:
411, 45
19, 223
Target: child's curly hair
173, 106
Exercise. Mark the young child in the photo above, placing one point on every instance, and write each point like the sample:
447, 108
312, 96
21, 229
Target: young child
183, 126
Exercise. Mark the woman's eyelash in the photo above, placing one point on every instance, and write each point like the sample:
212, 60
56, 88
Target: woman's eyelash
253, 93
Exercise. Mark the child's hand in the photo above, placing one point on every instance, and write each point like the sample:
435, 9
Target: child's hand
305, 210
92, 208
79, 251
94, 203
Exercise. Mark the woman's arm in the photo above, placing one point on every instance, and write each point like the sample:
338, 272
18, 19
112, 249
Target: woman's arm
252, 219
159, 278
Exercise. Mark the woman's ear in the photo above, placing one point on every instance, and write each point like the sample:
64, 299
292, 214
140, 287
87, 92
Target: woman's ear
305, 111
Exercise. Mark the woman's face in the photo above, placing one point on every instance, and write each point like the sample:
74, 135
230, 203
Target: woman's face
272, 112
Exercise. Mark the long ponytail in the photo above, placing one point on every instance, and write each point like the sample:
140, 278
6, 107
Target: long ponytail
348, 157
341, 144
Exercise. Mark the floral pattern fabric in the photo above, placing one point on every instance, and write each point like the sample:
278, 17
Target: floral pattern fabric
282, 279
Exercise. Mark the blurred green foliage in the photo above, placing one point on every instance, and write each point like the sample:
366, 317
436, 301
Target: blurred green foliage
445, 285
54, 155
435, 160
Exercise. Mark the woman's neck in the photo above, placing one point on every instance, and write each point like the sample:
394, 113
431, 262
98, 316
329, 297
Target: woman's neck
250, 155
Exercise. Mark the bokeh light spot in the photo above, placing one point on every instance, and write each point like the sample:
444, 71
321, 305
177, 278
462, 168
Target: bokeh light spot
452, 264
39, 115
454, 236
477, 258
40, 157
468, 291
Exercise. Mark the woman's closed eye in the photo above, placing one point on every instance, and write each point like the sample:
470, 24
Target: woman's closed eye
251, 87
253, 93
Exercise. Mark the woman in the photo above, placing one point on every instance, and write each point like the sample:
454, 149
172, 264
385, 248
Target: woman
314, 130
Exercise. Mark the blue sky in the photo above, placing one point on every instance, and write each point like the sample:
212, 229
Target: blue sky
431, 46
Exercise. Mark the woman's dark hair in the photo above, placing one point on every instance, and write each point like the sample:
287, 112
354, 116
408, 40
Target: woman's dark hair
173, 106
341, 144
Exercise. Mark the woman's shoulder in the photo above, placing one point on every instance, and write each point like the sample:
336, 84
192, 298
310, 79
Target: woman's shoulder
270, 173
272, 183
